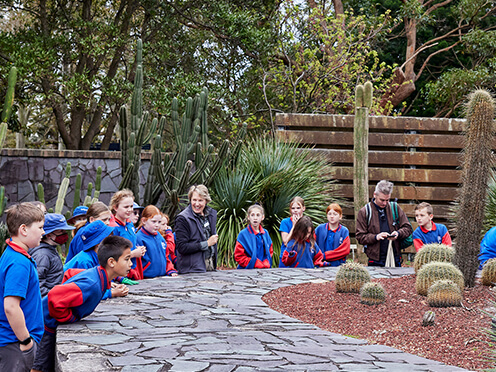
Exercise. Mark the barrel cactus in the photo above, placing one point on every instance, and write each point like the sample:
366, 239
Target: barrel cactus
444, 293
434, 271
489, 272
372, 293
351, 277
429, 318
433, 252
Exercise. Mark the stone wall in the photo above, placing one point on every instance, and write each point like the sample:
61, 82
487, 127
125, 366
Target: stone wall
22, 169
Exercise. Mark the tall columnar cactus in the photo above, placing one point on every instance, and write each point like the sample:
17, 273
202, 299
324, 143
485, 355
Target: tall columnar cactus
444, 293
433, 252
3, 200
476, 166
488, 275
350, 277
372, 293
363, 103
8, 103
64, 185
434, 271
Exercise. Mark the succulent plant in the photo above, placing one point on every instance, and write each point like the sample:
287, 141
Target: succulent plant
444, 293
372, 293
428, 318
4, 235
434, 271
489, 272
433, 252
350, 277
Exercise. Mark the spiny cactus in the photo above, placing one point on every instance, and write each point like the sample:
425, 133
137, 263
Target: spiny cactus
8, 103
488, 276
64, 185
350, 277
444, 293
433, 252
428, 318
3, 200
372, 293
476, 166
434, 271
4, 235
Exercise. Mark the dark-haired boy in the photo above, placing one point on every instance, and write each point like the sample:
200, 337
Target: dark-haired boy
21, 319
77, 297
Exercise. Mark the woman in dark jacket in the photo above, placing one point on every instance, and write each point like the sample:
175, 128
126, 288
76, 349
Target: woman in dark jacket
196, 236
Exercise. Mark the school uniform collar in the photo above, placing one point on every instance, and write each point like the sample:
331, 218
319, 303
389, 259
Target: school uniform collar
426, 231
104, 274
147, 232
119, 222
337, 229
16, 247
260, 230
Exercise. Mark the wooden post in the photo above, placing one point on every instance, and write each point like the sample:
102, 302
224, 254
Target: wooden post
363, 101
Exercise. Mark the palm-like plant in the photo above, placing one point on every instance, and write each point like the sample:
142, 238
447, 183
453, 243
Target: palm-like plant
269, 172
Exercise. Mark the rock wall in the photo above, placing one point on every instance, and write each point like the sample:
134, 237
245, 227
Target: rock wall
22, 169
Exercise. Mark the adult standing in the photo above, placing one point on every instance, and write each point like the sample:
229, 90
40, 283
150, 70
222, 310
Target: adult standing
196, 235
375, 226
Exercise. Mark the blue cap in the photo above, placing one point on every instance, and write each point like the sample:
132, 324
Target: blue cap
94, 233
137, 206
55, 221
78, 212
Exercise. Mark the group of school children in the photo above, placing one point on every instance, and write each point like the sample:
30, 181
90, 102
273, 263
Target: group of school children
108, 251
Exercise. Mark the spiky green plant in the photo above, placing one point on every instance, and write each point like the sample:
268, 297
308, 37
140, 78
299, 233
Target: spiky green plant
433, 252
64, 185
490, 210
434, 271
270, 172
444, 293
429, 318
4, 235
476, 165
7, 106
350, 277
372, 293
488, 275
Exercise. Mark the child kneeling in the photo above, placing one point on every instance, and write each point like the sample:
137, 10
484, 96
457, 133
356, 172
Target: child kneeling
80, 295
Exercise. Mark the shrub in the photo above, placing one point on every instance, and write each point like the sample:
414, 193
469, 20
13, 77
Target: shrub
350, 277
489, 272
434, 271
433, 252
444, 293
372, 294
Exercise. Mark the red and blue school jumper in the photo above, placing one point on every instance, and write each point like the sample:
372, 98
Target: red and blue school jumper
76, 244
253, 249
487, 247
19, 278
438, 234
306, 257
155, 262
170, 239
126, 230
335, 244
286, 226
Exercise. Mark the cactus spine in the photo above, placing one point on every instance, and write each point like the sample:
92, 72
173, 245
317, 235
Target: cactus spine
488, 276
350, 277
444, 293
372, 293
433, 252
434, 271
476, 166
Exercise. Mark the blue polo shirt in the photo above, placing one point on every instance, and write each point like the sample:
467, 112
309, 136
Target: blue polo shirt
19, 277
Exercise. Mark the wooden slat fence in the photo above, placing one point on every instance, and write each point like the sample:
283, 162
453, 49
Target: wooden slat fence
420, 155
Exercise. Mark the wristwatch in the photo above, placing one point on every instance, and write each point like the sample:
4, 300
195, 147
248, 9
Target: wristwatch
26, 341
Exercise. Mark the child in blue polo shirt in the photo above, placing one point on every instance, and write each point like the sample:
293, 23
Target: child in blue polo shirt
302, 251
21, 314
80, 295
254, 246
296, 209
332, 237
48, 261
427, 231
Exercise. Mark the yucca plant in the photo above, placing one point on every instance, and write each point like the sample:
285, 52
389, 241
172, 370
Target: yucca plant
270, 172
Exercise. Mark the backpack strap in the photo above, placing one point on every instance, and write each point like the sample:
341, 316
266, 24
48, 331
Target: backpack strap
394, 209
369, 213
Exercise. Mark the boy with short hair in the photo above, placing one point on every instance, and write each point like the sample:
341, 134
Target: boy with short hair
428, 232
21, 317
77, 297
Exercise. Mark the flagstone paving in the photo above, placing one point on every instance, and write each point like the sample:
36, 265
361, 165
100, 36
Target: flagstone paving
217, 322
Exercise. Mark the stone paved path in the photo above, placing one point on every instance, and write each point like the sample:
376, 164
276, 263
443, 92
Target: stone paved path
218, 322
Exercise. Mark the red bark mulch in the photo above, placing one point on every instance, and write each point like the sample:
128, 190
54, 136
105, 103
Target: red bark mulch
457, 338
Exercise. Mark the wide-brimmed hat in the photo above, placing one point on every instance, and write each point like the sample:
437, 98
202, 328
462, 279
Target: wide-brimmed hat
78, 212
55, 221
94, 233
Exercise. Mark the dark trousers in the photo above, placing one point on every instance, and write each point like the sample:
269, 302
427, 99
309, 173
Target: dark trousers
15, 360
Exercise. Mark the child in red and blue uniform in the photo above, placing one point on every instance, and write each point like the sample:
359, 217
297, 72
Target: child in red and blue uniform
121, 205
302, 251
155, 261
166, 231
77, 297
254, 245
427, 231
296, 209
21, 320
332, 237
